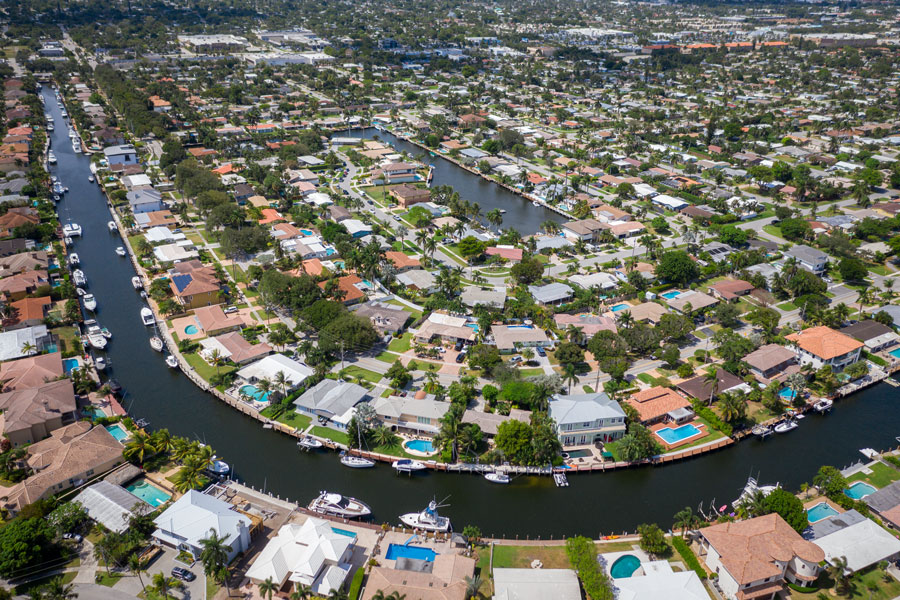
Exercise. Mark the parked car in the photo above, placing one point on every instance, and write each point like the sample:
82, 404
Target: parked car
230, 309
72, 536
461, 357
183, 574
540, 351
515, 360
459, 345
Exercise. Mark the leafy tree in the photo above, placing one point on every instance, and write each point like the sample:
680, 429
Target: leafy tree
653, 540
795, 229
728, 314
568, 353
514, 439
484, 357
23, 542
349, 332
677, 266
789, 507
638, 444
852, 269
830, 481
733, 236
670, 354
527, 271
67, 517
398, 375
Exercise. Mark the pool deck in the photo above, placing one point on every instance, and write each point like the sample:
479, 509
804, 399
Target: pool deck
180, 323
819, 500
688, 440
413, 451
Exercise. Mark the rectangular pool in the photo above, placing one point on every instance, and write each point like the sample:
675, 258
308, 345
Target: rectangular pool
820, 511
148, 492
679, 434
117, 431
860, 490
619, 307
396, 551
787, 393
579, 453
344, 532
670, 295
895, 353
70, 364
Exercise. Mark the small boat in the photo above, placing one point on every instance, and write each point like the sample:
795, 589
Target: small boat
406, 465
502, 211
100, 363
356, 462
171, 361
147, 316
73, 259
111, 226
90, 302
79, 278
137, 283
51, 158
90, 179
81, 291
535, 203
68, 241
498, 477
156, 343
785, 426
761, 431
71, 229
339, 506
427, 520
309, 443
823, 405
218, 467
120, 251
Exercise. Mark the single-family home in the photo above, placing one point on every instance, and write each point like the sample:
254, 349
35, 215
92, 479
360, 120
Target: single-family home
407, 195
194, 284
332, 400
701, 389
510, 338
194, 517
820, 346
691, 301
270, 366
145, 200
876, 336
31, 371
124, 154
770, 361
111, 505
384, 317
419, 414
446, 579
474, 296
811, 259
535, 584
212, 320
31, 414
660, 581
858, 540
554, 294
446, 327
730, 290
657, 404
419, 280
233, 347
587, 418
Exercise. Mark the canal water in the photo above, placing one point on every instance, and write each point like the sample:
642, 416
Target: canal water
593, 504
520, 215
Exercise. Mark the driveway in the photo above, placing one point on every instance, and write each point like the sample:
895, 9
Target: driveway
195, 590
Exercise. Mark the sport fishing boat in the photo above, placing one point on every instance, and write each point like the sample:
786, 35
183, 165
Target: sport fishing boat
428, 519
406, 465
147, 317
94, 335
823, 405
339, 506
497, 477
79, 278
71, 229
309, 443
137, 284
74, 260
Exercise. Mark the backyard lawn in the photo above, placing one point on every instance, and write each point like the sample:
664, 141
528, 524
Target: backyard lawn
352, 372
204, 369
860, 587
330, 434
291, 418
520, 557
880, 476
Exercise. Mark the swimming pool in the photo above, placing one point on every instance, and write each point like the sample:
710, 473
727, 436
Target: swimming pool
306, 232
787, 393
860, 490
619, 307
396, 551
895, 353
191, 329
473, 326
117, 431
148, 492
670, 295
625, 566
820, 511
520, 326
70, 364
93, 412
423, 446
679, 434
578, 453
255, 393
340, 531
330, 251
367, 283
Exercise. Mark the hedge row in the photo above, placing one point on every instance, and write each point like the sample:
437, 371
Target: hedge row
356, 584
712, 418
583, 557
688, 556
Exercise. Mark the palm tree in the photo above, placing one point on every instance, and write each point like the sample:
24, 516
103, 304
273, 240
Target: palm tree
28, 348
162, 440
733, 406
685, 519
281, 380
860, 193
139, 448
214, 556
570, 376
383, 436
711, 378
494, 217
301, 592
473, 585
837, 570
268, 587
162, 584
215, 359
138, 567
57, 590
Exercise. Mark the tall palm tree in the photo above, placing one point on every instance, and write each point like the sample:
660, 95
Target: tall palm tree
473, 585
301, 592
215, 359
711, 378
162, 584
685, 519
268, 587
214, 556
138, 568
281, 380
570, 376
494, 217
162, 440
140, 447
837, 570
57, 590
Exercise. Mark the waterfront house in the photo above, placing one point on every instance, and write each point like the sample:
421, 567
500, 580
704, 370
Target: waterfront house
23, 262
886, 504
701, 389
212, 320
13, 344
770, 361
66, 459
876, 336
28, 312
313, 555
587, 418
407, 195
31, 414
490, 422
175, 253
124, 154
233, 347
111, 505
658, 404
820, 346
18, 216
535, 584
510, 338
809, 258
420, 414
855, 538
333, 401
31, 371
16, 287
753, 558
445, 580
660, 581
194, 284
270, 366
194, 516
145, 201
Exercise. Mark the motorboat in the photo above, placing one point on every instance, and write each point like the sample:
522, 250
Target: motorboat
218, 467
406, 465
356, 462
90, 302
785, 426
751, 488
94, 336
76, 148
71, 229
81, 291
100, 363
147, 317
137, 283
51, 158
427, 520
498, 477
761, 431
339, 506
111, 225
90, 179
58, 189
535, 203
309, 443
172, 361
68, 241
73, 259
121, 251
79, 278
156, 343
823, 405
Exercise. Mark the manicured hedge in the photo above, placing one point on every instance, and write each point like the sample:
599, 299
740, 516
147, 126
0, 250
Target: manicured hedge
583, 557
712, 418
356, 584
801, 589
690, 559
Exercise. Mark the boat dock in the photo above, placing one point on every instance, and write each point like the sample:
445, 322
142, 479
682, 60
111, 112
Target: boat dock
560, 480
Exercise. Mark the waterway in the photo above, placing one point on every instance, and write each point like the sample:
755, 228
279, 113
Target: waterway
520, 215
593, 504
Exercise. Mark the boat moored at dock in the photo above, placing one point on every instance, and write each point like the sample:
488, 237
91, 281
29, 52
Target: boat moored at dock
427, 520
339, 506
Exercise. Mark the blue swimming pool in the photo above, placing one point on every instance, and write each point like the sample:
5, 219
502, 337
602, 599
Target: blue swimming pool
679, 434
93, 412
148, 492
672, 294
625, 566
820, 511
424, 446
520, 326
895, 353
860, 490
473, 326
396, 551
619, 307
306, 232
340, 531
330, 251
255, 393
191, 329
70, 364
787, 393
117, 431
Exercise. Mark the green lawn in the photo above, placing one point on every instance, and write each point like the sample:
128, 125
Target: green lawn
860, 584
204, 369
291, 418
878, 269
881, 475
773, 230
402, 343
331, 434
25, 588
520, 557
531, 372
108, 580
786, 306
353, 372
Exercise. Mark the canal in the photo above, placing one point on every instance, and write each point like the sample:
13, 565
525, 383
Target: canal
520, 215
591, 505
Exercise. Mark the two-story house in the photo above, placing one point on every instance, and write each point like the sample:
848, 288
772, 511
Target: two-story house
810, 259
587, 418
124, 154
820, 346
753, 558
416, 415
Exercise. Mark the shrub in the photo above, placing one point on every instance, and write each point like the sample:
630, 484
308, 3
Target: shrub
688, 556
801, 589
356, 585
583, 557
712, 418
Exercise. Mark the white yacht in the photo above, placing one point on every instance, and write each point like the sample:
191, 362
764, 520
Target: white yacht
120, 251
111, 225
497, 477
339, 506
147, 317
100, 363
427, 520
90, 179
156, 343
71, 229
785, 426
51, 158
218, 467
79, 278
90, 302
309, 443
823, 405
406, 465
94, 335
76, 148
356, 462
73, 259
137, 283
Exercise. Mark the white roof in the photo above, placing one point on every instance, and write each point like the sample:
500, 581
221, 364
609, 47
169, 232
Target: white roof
671, 586
864, 544
192, 517
536, 584
356, 226
669, 201
13, 342
444, 319
584, 408
110, 505
155, 235
269, 366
